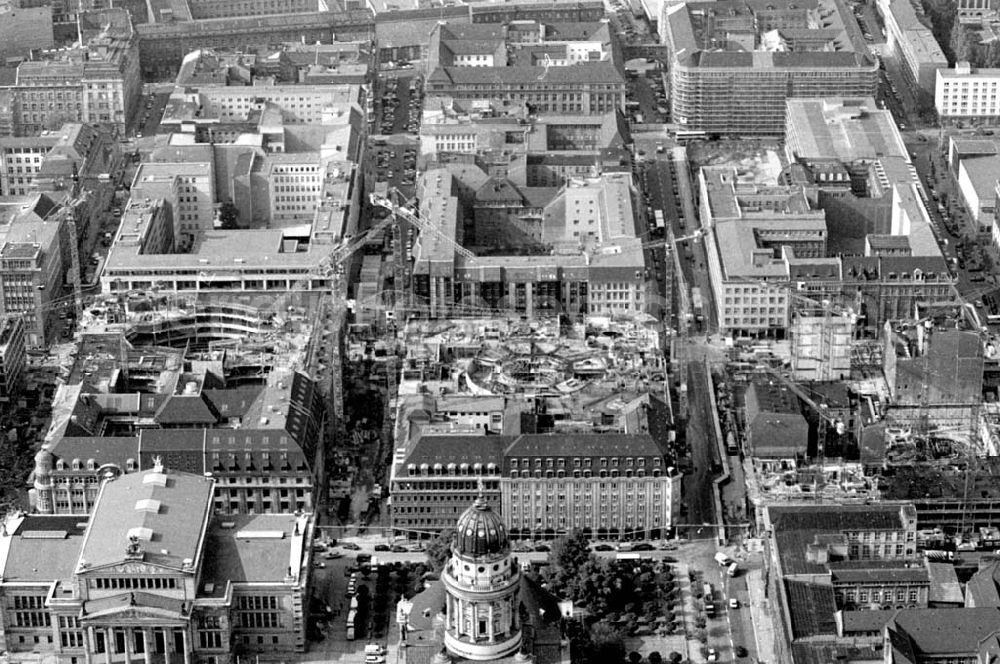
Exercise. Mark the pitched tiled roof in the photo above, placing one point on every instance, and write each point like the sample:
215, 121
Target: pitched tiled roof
597, 72
187, 409
811, 606
233, 402
458, 449
821, 518
585, 445
499, 190
942, 632
983, 589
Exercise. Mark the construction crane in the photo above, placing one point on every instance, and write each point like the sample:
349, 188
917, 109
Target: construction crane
350, 245
405, 212
668, 242
820, 409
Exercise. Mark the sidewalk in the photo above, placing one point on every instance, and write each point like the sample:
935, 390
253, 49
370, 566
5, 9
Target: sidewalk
760, 614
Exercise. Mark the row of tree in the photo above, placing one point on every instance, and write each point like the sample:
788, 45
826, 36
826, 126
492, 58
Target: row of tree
966, 47
959, 42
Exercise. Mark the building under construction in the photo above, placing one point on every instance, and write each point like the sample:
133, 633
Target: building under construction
959, 498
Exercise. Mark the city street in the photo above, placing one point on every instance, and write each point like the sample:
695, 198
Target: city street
697, 488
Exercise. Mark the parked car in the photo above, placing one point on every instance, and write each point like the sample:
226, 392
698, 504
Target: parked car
350, 546
604, 547
382, 547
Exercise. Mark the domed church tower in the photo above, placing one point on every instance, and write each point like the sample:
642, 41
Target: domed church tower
482, 588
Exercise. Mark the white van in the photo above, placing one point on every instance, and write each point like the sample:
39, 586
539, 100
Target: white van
733, 570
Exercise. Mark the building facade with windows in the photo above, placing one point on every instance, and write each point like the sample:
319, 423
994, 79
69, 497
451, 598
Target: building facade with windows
585, 89
257, 443
574, 250
964, 93
611, 486
762, 237
20, 159
150, 575
96, 83
608, 486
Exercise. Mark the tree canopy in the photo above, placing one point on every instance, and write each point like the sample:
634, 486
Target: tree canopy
439, 549
229, 215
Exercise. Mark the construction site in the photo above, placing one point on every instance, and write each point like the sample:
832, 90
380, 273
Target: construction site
245, 335
832, 415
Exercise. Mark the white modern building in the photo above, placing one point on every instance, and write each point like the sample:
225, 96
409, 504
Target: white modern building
964, 93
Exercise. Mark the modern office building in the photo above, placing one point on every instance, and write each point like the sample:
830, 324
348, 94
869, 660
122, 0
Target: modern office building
152, 574
855, 134
965, 94
761, 239
285, 157
735, 63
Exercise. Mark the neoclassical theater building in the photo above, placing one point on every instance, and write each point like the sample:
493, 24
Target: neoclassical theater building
152, 576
